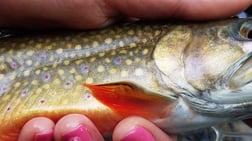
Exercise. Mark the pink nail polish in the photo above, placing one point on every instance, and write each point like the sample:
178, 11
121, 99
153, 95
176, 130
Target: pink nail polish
44, 136
78, 134
138, 134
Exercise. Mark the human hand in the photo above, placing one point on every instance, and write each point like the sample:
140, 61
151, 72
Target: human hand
99, 13
75, 127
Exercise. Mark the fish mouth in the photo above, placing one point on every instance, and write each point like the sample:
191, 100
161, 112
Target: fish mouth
231, 95
243, 76
235, 86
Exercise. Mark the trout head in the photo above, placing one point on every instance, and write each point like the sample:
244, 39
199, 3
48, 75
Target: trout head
209, 67
217, 68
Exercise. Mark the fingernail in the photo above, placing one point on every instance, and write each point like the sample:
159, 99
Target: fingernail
138, 134
78, 134
44, 136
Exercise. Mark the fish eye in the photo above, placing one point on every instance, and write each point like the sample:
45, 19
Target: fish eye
243, 31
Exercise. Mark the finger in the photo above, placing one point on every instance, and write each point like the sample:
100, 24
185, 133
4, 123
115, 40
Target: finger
137, 128
99, 13
76, 127
37, 129
185, 9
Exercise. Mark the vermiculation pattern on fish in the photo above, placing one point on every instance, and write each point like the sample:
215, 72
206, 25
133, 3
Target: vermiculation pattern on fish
166, 73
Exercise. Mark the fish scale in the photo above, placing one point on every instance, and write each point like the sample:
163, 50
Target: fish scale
166, 73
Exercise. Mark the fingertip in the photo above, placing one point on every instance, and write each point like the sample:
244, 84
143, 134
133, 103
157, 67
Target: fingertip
76, 126
137, 128
37, 129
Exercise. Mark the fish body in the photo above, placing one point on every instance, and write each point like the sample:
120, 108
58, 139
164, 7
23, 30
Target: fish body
163, 72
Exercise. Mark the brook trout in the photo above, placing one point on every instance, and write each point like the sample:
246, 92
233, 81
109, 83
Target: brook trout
180, 76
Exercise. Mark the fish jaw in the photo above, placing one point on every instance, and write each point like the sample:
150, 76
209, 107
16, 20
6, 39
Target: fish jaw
223, 80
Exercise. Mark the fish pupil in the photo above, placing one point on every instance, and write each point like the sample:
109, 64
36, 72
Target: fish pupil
250, 34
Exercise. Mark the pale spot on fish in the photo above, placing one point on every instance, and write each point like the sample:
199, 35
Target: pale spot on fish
72, 55
1, 76
67, 62
46, 86
137, 59
61, 72
54, 65
145, 51
73, 70
132, 45
78, 62
113, 53
59, 51
78, 47
95, 44
2, 67
101, 54
112, 70
131, 32
30, 53
45, 68
107, 60
78, 77
139, 72
144, 40
37, 72
56, 81
131, 53
49, 47
6, 98
38, 46
51, 58
92, 59
29, 62
128, 62
121, 44
17, 84
12, 76
108, 40
85, 40
87, 54
157, 32
34, 82
68, 45
38, 91
100, 68
65, 102
89, 80
123, 51
27, 73
124, 73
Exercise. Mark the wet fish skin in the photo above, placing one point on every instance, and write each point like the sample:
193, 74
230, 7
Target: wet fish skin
41, 74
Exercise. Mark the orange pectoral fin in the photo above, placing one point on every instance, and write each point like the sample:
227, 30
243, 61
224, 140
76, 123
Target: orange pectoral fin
128, 99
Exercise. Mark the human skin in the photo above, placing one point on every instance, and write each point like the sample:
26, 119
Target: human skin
99, 13
90, 14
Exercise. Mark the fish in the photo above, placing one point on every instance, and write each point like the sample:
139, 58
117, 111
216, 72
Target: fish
182, 76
